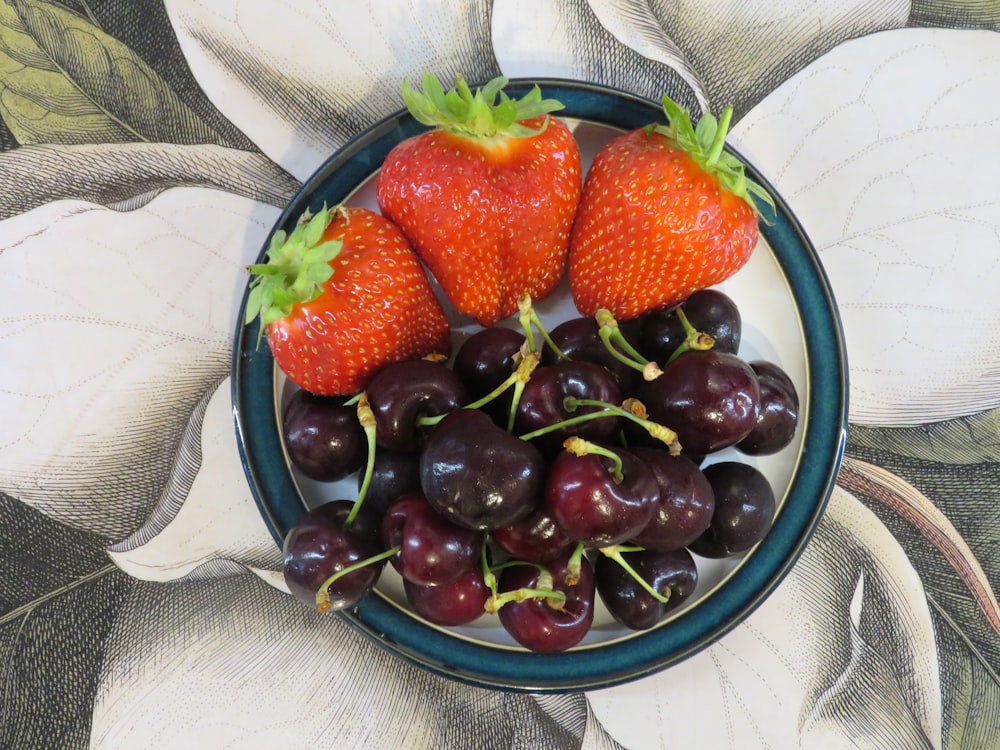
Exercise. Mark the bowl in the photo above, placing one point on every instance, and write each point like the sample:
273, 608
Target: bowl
789, 317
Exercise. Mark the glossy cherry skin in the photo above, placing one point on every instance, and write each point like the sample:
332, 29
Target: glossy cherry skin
394, 474
744, 510
487, 358
778, 416
320, 544
710, 399
543, 403
536, 624
432, 550
628, 602
323, 437
484, 361
477, 474
456, 603
402, 392
709, 311
579, 339
536, 538
685, 504
584, 499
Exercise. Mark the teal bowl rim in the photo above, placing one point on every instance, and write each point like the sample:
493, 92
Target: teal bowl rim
642, 654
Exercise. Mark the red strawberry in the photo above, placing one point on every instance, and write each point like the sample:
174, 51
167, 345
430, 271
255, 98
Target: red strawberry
341, 296
665, 212
488, 196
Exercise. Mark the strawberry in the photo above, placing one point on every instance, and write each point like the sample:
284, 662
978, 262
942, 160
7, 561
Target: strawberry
487, 196
341, 296
665, 212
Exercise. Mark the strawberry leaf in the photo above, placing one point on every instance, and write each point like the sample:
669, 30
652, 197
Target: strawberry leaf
477, 114
297, 267
705, 143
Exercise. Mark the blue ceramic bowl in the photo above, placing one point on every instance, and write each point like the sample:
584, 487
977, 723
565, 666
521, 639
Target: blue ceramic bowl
789, 317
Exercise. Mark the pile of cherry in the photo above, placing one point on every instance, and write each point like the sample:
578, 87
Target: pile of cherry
541, 469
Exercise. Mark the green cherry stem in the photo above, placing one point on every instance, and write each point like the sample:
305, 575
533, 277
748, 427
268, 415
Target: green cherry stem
580, 447
518, 377
632, 409
529, 320
694, 340
619, 347
543, 589
323, 595
522, 375
575, 565
615, 553
366, 417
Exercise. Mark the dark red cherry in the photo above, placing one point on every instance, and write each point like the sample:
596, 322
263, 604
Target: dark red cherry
593, 505
477, 474
708, 311
432, 549
672, 574
709, 398
456, 603
685, 504
779, 412
322, 543
394, 474
744, 510
543, 403
536, 538
323, 437
402, 393
545, 625
579, 339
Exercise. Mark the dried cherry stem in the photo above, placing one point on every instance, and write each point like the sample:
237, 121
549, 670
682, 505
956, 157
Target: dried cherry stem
529, 319
620, 348
615, 553
574, 565
632, 409
694, 340
323, 595
543, 589
366, 417
580, 447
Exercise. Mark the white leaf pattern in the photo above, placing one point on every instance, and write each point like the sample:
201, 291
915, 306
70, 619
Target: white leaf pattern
863, 145
121, 323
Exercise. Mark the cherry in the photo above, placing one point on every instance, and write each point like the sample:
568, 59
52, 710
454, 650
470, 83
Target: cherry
536, 538
779, 411
326, 541
477, 474
744, 510
709, 311
432, 550
710, 398
548, 624
402, 394
394, 474
323, 437
486, 358
671, 574
543, 403
579, 339
597, 496
685, 503
456, 603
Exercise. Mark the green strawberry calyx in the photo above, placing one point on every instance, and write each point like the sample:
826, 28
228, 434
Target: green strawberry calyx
705, 143
484, 113
298, 265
